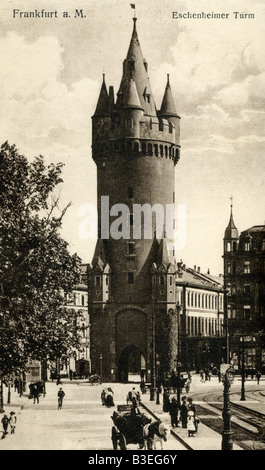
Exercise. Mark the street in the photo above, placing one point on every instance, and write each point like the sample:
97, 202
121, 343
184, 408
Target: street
82, 424
85, 424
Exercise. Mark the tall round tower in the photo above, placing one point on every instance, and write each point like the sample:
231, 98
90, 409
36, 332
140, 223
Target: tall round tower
135, 148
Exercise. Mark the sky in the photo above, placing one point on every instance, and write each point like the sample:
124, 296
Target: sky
51, 73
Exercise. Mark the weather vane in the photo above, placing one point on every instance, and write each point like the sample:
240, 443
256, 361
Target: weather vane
133, 7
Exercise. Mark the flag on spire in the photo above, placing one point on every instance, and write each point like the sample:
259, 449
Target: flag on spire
132, 5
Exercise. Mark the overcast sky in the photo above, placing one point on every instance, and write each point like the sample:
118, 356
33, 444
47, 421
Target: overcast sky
51, 72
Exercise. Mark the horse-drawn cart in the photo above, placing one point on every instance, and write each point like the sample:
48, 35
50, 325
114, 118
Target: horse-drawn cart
128, 427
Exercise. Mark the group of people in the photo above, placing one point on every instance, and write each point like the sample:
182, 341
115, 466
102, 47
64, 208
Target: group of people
181, 414
7, 421
107, 397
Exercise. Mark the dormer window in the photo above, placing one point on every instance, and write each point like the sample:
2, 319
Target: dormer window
147, 96
132, 64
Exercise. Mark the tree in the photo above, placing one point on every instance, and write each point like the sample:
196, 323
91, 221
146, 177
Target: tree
36, 269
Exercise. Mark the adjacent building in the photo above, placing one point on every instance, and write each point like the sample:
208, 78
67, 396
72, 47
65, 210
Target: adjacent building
244, 281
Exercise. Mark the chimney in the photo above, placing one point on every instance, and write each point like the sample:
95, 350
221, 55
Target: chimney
199, 269
194, 267
208, 272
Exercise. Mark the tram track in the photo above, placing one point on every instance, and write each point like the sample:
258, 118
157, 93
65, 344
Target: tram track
243, 436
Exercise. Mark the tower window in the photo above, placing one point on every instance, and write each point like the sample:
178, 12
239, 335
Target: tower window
130, 278
228, 267
130, 193
130, 248
129, 123
228, 246
97, 280
162, 281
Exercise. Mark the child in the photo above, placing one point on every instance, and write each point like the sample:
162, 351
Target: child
191, 423
13, 422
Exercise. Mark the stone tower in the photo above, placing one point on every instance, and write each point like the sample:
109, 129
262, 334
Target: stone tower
132, 277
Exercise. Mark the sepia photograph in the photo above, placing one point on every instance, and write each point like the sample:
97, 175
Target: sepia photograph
132, 228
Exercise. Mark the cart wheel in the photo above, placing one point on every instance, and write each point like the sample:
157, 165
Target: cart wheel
114, 438
122, 442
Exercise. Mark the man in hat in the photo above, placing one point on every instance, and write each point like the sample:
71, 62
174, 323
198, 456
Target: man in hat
5, 423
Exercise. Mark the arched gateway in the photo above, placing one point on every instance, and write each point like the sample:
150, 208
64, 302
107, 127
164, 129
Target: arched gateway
131, 347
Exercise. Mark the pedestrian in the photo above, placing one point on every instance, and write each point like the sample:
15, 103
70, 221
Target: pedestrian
58, 382
187, 385
174, 411
184, 412
35, 394
191, 407
5, 423
191, 423
61, 396
13, 422
258, 375
166, 401
16, 385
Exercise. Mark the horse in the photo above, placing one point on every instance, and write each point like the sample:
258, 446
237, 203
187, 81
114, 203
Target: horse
153, 433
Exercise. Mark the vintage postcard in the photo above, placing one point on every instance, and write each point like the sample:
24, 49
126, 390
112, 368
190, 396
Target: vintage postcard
157, 102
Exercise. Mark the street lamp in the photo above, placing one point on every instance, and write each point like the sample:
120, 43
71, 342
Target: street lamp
227, 443
101, 360
157, 383
243, 397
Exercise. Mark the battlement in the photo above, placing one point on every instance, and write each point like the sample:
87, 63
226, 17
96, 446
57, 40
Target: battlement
132, 148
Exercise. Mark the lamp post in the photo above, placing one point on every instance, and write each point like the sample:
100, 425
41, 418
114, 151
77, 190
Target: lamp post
243, 397
1, 395
101, 360
157, 381
227, 443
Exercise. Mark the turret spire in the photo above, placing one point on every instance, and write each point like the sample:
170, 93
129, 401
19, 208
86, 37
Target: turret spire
168, 106
231, 230
103, 100
135, 67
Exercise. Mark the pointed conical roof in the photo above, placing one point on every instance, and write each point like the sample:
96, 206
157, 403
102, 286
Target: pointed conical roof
135, 67
163, 257
168, 106
99, 258
231, 230
131, 98
102, 107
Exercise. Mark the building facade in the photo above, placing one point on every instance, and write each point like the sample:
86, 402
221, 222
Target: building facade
244, 280
134, 282
200, 302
